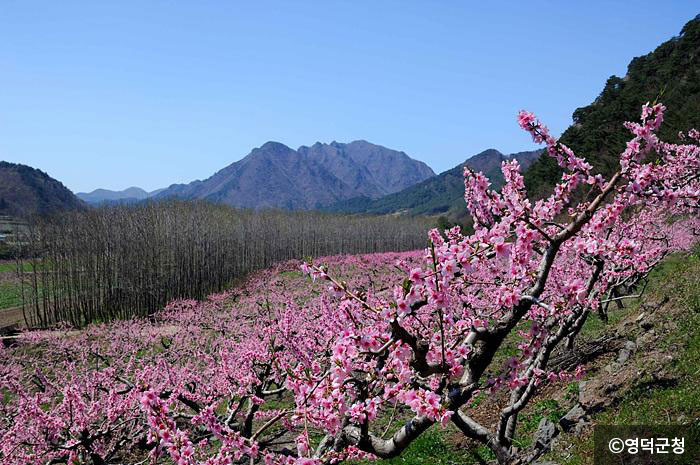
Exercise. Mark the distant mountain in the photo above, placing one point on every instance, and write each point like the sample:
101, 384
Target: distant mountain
368, 169
27, 191
442, 194
275, 175
132, 194
671, 73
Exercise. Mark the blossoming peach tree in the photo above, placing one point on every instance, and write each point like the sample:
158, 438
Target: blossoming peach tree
288, 376
535, 268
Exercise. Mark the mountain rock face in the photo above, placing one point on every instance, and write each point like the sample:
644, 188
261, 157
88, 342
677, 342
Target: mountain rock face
132, 194
276, 176
26, 191
368, 169
442, 194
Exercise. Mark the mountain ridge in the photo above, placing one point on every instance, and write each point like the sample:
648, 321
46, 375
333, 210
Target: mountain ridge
442, 194
276, 176
130, 194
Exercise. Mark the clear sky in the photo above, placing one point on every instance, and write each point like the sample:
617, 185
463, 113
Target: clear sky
149, 93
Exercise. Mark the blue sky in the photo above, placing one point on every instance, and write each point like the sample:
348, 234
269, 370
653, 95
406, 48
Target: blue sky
114, 94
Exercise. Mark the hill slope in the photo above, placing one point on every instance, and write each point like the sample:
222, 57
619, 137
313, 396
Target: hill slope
442, 194
274, 175
26, 191
673, 70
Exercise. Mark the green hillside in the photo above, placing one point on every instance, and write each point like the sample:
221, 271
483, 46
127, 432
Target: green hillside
671, 72
440, 195
27, 191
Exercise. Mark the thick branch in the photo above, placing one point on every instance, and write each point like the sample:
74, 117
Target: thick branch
383, 448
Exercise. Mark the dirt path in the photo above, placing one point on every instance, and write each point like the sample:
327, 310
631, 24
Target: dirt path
11, 317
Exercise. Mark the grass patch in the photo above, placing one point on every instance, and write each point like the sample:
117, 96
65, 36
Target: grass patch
530, 419
436, 446
11, 267
7, 267
10, 295
677, 278
433, 448
291, 274
676, 404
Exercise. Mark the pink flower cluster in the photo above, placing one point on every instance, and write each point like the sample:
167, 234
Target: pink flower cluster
287, 370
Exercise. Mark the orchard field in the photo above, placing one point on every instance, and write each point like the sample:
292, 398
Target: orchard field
285, 286
449, 354
93, 379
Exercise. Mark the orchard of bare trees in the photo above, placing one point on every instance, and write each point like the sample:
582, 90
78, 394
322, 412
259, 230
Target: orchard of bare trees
130, 260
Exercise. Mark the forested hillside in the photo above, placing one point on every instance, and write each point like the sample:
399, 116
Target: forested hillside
671, 72
442, 194
26, 191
